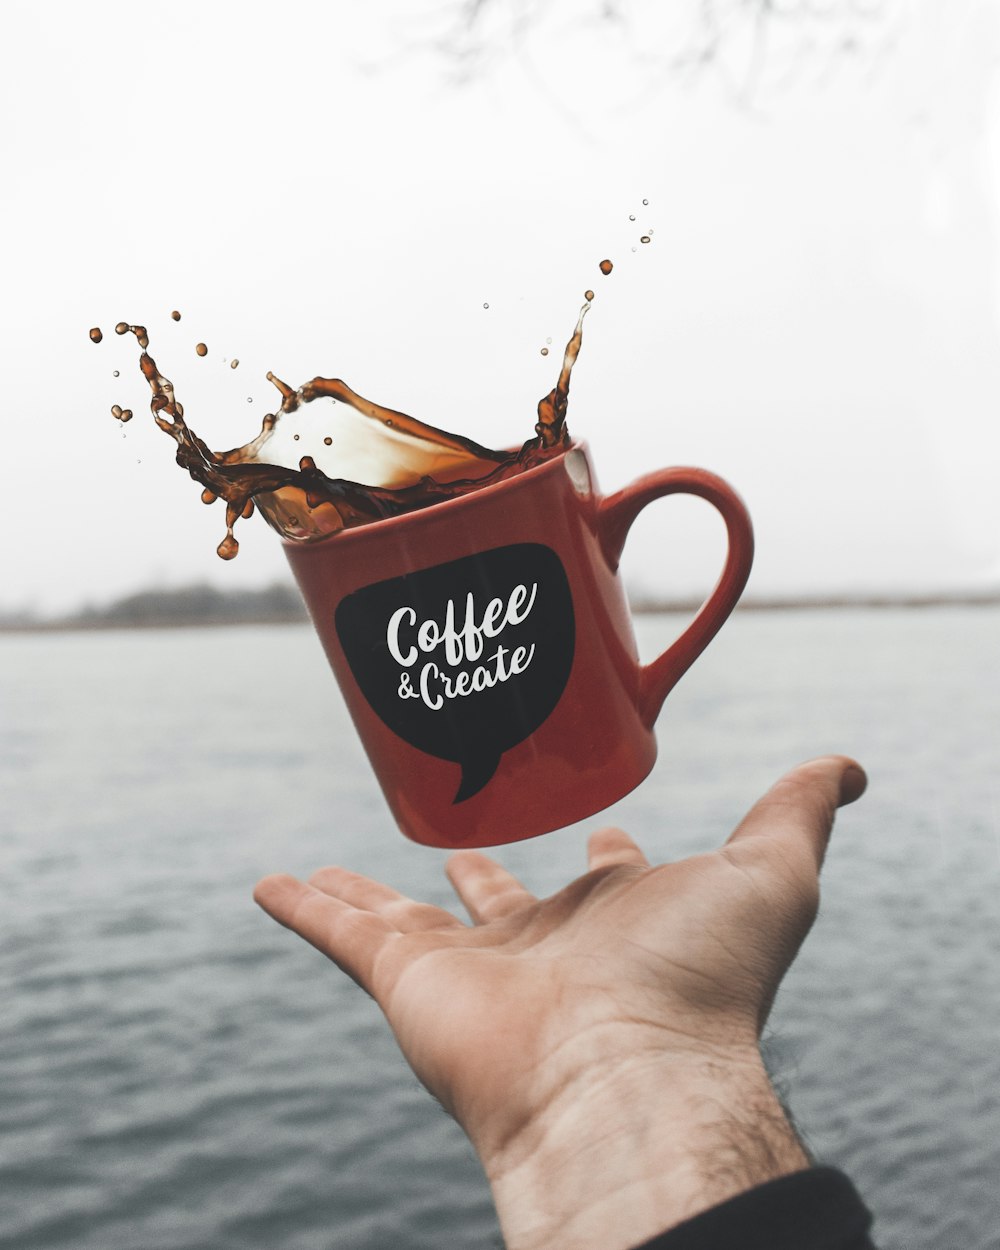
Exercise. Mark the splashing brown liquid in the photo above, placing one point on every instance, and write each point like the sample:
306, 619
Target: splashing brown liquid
142, 337
606, 266
413, 465
96, 335
201, 349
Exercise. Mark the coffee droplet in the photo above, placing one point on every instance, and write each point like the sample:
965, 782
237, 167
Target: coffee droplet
228, 548
208, 496
141, 336
486, 305
116, 411
588, 295
606, 266
645, 202
545, 351
116, 373
176, 315
249, 399
631, 216
644, 239
328, 441
234, 364
96, 335
201, 349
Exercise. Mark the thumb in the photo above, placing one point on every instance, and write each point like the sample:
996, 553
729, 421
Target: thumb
797, 812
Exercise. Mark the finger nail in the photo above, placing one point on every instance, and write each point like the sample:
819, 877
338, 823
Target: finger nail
853, 783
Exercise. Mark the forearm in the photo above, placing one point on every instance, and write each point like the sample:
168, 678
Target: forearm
622, 1154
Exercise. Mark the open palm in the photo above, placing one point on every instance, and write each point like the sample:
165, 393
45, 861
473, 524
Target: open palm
507, 1018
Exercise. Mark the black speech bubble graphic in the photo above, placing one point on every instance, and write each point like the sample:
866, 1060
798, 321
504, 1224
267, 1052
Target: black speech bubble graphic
511, 634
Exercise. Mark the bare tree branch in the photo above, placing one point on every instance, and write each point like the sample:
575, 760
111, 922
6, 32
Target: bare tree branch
744, 41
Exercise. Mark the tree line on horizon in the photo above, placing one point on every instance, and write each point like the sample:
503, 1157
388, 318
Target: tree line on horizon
200, 604
281, 604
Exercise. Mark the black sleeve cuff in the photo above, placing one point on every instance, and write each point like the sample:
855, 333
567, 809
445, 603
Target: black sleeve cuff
817, 1209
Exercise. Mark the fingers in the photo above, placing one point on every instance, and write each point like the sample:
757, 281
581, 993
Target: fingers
402, 913
350, 937
488, 891
609, 847
797, 812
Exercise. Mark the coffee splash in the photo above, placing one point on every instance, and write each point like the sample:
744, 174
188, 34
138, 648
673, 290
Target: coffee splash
398, 464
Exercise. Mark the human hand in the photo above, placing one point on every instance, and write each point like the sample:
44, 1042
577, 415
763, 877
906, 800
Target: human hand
599, 1047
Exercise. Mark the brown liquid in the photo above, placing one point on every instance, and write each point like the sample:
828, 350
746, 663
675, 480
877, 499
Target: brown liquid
201, 349
142, 337
96, 335
414, 465
606, 266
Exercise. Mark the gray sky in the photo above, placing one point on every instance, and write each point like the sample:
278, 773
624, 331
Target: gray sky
815, 317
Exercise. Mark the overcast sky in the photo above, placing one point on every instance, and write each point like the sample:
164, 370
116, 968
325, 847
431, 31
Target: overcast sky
816, 317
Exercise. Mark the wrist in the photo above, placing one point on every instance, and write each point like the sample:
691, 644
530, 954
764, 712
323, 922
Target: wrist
634, 1143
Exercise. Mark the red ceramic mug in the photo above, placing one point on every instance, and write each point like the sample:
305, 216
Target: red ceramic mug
484, 647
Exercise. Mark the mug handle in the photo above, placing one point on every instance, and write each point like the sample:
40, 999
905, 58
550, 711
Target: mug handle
615, 517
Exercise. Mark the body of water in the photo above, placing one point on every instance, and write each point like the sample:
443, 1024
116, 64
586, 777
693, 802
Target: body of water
178, 1073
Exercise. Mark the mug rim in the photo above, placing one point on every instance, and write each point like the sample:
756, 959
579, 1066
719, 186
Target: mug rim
515, 481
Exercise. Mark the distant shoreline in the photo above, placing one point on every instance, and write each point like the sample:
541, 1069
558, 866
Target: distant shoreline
766, 603
184, 608
196, 607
